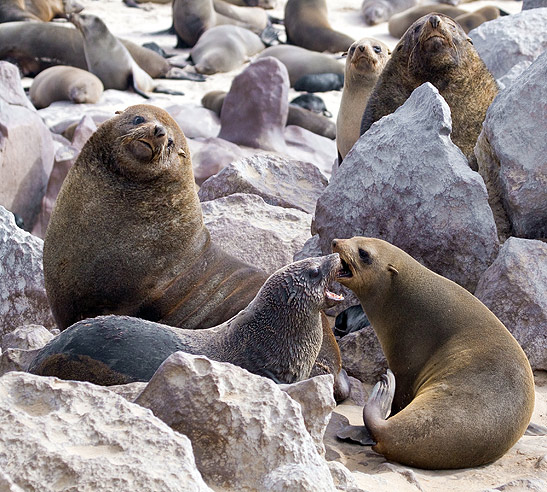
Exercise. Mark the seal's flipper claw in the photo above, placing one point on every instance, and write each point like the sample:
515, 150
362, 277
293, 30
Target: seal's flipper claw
535, 430
381, 397
356, 433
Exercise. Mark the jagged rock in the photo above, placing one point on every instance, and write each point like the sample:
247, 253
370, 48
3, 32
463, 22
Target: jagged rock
65, 435
23, 298
311, 247
362, 355
511, 155
533, 4
343, 479
279, 181
247, 434
28, 337
15, 359
531, 484
255, 110
509, 78
514, 288
26, 149
194, 120
253, 231
6, 483
511, 39
406, 182
129, 391
65, 157
317, 401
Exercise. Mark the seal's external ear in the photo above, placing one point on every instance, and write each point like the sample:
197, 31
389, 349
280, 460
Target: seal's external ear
119, 112
389, 52
182, 153
392, 269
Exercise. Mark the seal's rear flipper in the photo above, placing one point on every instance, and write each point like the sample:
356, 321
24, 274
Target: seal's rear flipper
535, 430
356, 433
379, 402
180, 74
165, 90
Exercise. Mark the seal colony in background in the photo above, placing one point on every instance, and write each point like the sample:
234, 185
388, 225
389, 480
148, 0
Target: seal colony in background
460, 388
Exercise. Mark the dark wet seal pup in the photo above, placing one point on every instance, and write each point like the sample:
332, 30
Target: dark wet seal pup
319, 82
460, 388
435, 49
278, 335
312, 103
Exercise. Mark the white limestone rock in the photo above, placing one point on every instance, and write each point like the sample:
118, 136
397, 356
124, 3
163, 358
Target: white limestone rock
27, 337
279, 181
248, 228
247, 434
65, 435
405, 182
512, 154
23, 298
511, 39
514, 288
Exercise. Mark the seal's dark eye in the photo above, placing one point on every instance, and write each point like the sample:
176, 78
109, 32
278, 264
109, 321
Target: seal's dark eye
352, 50
377, 49
137, 120
365, 256
314, 272
169, 142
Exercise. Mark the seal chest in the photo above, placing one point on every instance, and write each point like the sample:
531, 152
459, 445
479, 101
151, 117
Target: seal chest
463, 391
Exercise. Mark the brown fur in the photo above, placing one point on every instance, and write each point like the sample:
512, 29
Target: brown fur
363, 67
464, 388
307, 25
470, 20
451, 64
400, 22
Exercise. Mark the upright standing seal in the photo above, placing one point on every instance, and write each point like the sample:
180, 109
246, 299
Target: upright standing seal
460, 388
435, 49
365, 61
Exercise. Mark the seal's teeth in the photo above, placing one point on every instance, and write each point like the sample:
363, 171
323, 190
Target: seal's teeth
333, 296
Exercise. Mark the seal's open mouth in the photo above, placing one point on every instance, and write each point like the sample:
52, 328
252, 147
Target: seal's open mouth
344, 271
332, 296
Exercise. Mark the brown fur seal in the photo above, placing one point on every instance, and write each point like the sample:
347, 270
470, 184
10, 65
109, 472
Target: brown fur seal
400, 22
377, 11
464, 388
62, 83
365, 61
278, 335
470, 20
126, 235
435, 49
307, 25
36, 10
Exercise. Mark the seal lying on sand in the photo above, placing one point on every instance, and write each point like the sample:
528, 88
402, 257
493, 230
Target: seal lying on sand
460, 388
278, 335
435, 49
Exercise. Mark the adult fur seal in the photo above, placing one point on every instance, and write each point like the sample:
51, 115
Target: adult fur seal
365, 61
278, 335
464, 389
377, 11
126, 235
36, 10
62, 83
307, 25
435, 49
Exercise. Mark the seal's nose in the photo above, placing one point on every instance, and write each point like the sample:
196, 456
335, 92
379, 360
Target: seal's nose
434, 20
159, 131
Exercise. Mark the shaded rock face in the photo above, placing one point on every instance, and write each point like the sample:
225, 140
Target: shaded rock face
23, 297
512, 155
255, 110
246, 433
253, 231
26, 149
195, 121
88, 452
533, 4
405, 182
279, 181
512, 39
514, 288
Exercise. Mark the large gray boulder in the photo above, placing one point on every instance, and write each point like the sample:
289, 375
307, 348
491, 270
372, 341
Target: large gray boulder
64, 435
508, 40
405, 182
515, 289
512, 154
247, 434
255, 110
23, 299
248, 228
26, 149
533, 4
279, 181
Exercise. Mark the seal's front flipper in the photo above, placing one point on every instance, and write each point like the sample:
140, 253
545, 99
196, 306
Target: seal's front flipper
178, 73
356, 433
535, 430
379, 402
165, 90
